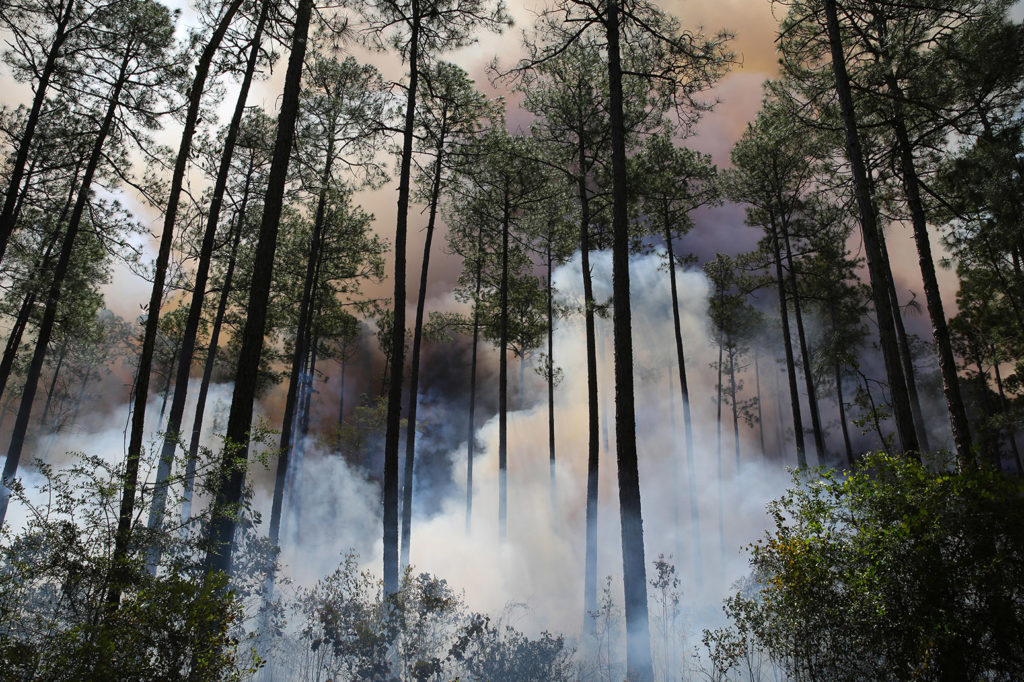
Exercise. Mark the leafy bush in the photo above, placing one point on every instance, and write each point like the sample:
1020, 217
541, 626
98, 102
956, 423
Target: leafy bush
55, 623
350, 631
891, 572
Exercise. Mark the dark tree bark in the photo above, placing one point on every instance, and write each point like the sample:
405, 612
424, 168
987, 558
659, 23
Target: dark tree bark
232, 474
551, 386
787, 339
837, 375
471, 436
300, 355
60, 271
593, 416
684, 390
735, 407
17, 172
53, 382
397, 360
634, 567
172, 433
869, 229
41, 264
805, 356
904, 345
131, 475
211, 358
506, 219
760, 412
718, 457
933, 299
414, 371
1010, 430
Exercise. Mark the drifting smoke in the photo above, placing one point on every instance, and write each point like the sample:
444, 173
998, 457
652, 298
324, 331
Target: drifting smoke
336, 506
541, 562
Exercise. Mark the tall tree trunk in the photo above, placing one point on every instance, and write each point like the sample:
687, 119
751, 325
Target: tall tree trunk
940, 331
805, 356
53, 381
503, 377
131, 475
593, 437
17, 171
869, 229
300, 355
904, 347
780, 437
760, 412
551, 387
79, 398
165, 392
172, 433
211, 359
232, 475
397, 360
414, 370
787, 338
735, 407
305, 409
634, 566
53, 294
471, 436
1010, 430
837, 375
718, 457
42, 264
698, 561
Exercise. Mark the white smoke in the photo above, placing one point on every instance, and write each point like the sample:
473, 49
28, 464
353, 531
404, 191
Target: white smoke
541, 562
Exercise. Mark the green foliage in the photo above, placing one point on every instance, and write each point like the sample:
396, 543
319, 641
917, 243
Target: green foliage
893, 571
350, 631
54, 621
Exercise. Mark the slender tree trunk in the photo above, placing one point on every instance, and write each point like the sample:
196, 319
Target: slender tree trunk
53, 382
780, 438
166, 392
17, 171
172, 433
53, 295
41, 264
341, 395
837, 376
940, 331
735, 407
79, 398
300, 355
551, 387
229, 491
593, 437
794, 394
414, 370
805, 356
471, 436
760, 413
131, 474
1010, 430
634, 566
718, 457
698, 561
904, 347
869, 228
503, 378
211, 360
294, 495
14, 338
397, 361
